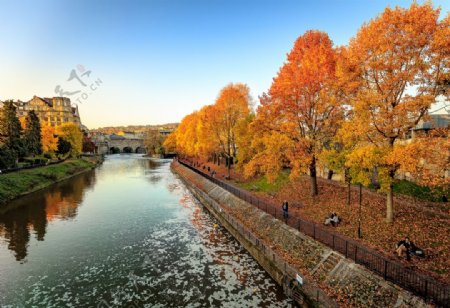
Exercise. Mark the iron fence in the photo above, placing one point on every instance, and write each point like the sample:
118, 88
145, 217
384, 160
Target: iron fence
427, 287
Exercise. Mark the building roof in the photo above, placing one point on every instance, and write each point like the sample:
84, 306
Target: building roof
116, 137
435, 121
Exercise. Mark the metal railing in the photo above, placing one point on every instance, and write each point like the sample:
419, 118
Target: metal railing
424, 286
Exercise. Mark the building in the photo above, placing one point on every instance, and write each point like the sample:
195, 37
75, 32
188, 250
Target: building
435, 121
51, 111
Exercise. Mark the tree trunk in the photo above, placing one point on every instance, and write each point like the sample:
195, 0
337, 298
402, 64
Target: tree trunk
349, 193
313, 176
390, 198
390, 205
330, 174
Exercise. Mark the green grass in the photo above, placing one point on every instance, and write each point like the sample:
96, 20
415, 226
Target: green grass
420, 192
17, 183
261, 183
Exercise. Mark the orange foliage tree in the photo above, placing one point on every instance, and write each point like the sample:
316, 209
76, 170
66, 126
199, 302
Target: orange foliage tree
214, 130
232, 107
186, 135
301, 111
49, 139
394, 66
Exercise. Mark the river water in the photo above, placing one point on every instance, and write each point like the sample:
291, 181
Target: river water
128, 234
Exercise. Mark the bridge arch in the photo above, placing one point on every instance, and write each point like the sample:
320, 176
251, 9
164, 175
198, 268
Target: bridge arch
114, 150
140, 150
127, 149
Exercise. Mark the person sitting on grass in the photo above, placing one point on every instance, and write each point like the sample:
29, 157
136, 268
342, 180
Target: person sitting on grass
335, 220
414, 250
404, 248
332, 220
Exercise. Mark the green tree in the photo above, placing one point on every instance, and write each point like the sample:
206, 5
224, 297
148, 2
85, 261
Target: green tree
64, 146
10, 129
7, 158
32, 134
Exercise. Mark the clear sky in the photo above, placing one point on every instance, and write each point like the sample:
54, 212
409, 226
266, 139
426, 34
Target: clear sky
159, 60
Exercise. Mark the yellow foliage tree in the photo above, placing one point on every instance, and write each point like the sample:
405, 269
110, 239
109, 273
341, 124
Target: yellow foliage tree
71, 132
394, 67
232, 106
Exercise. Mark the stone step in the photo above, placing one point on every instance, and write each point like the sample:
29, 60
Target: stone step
327, 264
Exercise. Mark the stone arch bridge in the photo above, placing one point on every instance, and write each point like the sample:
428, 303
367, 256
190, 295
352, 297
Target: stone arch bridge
121, 145
127, 146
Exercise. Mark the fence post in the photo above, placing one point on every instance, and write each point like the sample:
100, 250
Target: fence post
385, 269
356, 252
333, 242
426, 289
346, 249
314, 231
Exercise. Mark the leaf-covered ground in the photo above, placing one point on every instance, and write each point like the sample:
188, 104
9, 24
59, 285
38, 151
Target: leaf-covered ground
426, 224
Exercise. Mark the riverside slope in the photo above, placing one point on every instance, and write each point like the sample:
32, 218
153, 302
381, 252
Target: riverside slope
343, 282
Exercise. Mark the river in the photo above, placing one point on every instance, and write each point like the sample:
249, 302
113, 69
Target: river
126, 234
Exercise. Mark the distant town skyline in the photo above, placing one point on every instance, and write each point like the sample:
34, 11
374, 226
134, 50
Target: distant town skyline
153, 62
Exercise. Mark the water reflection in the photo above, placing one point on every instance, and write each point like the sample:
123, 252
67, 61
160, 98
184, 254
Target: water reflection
137, 238
32, 213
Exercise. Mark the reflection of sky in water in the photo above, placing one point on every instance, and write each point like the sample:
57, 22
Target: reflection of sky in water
139, 238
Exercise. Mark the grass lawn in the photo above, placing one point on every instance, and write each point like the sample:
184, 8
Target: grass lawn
263, 185
17, 183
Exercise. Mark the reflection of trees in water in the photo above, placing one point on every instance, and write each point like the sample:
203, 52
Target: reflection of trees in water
150, 167
154, 178
32, 212
150, 163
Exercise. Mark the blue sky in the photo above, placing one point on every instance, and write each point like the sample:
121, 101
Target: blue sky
159, 60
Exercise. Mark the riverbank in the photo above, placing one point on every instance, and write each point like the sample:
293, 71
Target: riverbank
426, 223
341, 281
16, 184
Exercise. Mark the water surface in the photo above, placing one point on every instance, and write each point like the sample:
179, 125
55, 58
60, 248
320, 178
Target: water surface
127, 234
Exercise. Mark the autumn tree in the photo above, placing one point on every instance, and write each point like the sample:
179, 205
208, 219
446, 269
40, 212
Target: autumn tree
154, 142
395, 64
88, 145
231, 107
186, 135
426, 158
170, 143
71, 133
300, 112
244, 137
207, 144
49, 139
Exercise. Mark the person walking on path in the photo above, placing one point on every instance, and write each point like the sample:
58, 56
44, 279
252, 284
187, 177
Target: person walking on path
285, 208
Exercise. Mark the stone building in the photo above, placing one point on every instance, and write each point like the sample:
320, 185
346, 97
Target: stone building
51, 111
